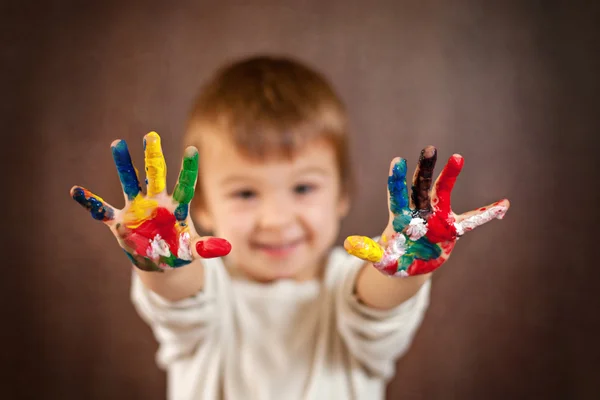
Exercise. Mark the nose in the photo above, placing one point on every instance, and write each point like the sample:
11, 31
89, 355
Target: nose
276, 213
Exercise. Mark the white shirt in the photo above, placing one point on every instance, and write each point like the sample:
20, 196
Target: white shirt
289, 340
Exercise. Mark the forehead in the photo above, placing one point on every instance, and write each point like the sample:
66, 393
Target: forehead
219, 155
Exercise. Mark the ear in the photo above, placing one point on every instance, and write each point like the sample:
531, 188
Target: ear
343, 205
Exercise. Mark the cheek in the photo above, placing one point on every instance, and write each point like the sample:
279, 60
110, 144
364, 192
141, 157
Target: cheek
233, 225
321, 215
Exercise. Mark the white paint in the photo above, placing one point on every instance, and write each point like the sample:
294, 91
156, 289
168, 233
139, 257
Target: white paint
158, 247
394, 249
402, 274
184, 252
480, 218
417, 228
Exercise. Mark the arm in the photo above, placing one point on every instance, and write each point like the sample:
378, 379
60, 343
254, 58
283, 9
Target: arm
175, 284
382, 292
420, 235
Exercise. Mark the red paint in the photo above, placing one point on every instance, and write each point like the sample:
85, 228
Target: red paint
419, 266
425, 266
445, 183
440, 229
482, 209
161, 223
213, 247
447, 247
389, 269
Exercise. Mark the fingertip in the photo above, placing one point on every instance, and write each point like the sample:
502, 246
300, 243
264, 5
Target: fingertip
397, 162
429, 151
73, 189
151, 138
190, 151
348, 242
457, 158
116, 142
212, 247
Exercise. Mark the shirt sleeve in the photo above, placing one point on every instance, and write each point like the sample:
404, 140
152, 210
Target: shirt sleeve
180, 326
376, 338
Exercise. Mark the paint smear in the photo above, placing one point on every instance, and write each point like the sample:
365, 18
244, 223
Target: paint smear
156, 167
364, 248
126, 170
184, 190
94, 204
422, 180
481, 217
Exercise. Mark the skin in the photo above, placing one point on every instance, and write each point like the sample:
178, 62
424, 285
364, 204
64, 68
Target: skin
422, 256
155, 217
281, 216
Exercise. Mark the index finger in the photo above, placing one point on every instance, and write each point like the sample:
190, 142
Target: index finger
126, 170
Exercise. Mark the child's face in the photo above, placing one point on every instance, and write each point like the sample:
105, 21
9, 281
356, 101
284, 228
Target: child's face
280, 216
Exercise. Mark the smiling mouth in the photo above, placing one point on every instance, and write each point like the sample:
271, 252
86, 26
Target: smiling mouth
278, 250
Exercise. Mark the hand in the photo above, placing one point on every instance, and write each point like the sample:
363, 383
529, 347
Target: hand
422, 230
155, 229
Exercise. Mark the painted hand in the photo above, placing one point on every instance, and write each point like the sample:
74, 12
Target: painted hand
422, 229
154, 230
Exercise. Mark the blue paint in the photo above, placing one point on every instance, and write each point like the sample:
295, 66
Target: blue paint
181, 212
178, 262
98, 209
398, 190
127, 174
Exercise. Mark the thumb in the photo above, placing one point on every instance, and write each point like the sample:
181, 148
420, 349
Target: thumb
210, 247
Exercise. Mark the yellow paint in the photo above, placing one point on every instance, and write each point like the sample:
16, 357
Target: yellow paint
364, 248
140, 210
156, 168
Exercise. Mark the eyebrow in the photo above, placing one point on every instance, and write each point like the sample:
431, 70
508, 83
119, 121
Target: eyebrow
245, 179
234, 179
311, 170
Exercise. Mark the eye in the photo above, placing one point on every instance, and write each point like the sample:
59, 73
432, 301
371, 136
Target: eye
304, 188
245, 194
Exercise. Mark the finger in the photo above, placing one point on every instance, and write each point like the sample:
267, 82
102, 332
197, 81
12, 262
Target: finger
126, 170
99, 209
397, 190
398, 200
156, 168
211, 247
184, 190
442, 189
422, 180
470, 220
364, 248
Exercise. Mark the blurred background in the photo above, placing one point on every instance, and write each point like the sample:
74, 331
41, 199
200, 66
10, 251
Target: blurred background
512, 86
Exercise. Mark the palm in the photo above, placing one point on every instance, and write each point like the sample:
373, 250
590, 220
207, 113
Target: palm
422, 228
154, 230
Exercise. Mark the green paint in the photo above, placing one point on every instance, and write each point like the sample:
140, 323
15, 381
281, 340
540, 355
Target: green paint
184, 190
401, 221
422, 249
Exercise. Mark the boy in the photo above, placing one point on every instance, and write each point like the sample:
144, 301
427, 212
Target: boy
281, 315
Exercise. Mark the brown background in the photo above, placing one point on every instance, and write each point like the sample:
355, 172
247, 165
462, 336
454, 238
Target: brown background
512, 87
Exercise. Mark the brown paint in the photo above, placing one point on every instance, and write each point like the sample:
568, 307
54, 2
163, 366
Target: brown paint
422, 181
510, 85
